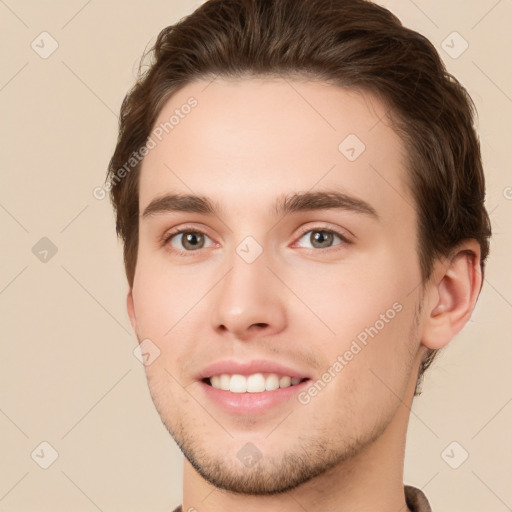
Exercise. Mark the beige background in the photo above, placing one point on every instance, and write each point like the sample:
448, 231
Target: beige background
68, 375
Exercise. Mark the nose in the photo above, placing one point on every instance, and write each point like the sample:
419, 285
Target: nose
250, 301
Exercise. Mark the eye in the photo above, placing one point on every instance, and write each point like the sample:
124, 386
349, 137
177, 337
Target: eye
187, 240
322, 238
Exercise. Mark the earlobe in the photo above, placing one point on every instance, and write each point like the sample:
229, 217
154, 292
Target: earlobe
131, 310
454, 292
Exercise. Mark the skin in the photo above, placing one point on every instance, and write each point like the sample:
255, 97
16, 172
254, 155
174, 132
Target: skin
246, 144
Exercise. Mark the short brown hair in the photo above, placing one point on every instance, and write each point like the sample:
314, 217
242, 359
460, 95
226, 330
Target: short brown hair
351, 43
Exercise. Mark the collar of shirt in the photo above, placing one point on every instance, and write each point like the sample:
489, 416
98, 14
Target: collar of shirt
415, 499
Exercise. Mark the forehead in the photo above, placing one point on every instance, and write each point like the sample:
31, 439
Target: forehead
244, 142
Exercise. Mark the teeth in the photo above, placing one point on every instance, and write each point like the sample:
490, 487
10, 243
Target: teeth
255, 383
225, 380
272, 382
238, 384
285, 382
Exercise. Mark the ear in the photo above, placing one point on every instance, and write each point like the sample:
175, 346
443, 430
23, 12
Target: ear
452, 294
131, 310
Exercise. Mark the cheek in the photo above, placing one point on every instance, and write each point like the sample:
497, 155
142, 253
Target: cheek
367, 372
171, 307
164, 295
370, 312
378, 354
350, 296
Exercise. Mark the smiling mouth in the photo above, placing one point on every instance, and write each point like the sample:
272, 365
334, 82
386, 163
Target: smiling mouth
254, 383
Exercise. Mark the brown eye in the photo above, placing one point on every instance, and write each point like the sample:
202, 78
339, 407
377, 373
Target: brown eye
322, 239
188, 240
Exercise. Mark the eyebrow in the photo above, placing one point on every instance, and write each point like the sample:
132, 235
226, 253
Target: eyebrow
285, 204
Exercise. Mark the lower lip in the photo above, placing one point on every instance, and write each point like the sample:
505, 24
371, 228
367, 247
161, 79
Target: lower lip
251, 403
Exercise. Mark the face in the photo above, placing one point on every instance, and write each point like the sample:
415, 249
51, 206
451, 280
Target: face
283, 293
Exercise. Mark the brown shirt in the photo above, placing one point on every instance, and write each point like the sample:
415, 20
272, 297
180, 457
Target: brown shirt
414, 498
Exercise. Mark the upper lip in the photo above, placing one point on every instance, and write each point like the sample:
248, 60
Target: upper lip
232, 367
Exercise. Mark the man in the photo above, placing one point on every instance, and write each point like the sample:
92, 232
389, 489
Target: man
299, 189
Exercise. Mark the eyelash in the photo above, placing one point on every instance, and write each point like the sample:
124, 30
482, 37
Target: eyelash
168, 237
